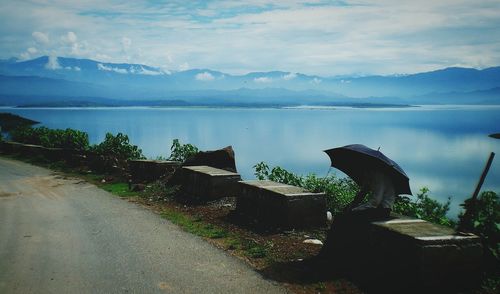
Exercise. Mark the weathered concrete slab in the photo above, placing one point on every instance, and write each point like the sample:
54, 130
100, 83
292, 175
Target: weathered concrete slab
416, 254
279, 205
205, 183
142, 171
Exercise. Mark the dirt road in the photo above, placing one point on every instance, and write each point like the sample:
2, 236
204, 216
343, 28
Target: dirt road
62, 235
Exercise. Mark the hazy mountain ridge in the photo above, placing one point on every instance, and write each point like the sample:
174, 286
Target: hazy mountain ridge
70, 77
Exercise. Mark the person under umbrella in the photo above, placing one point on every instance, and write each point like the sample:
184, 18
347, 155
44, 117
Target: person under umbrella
381, 179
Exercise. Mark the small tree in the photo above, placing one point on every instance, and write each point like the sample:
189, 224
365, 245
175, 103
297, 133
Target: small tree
424, 207
486, 221
181, 152
118, 147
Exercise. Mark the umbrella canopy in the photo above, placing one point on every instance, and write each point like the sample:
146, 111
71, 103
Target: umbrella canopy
495, 136
354, 160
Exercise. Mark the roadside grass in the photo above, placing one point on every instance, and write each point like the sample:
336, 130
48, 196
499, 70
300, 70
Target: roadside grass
194, 225
229, 240
119, 189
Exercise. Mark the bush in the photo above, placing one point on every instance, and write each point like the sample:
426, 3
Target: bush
52, 138
118, 147
423, 207
159, 191
181, 152
485, 221
339, 192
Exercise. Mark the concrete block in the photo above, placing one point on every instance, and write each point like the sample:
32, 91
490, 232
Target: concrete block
417, 254
279, 205
143, 171
205, 183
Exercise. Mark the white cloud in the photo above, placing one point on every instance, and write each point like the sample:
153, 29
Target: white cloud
263, 80
40, 38
184, 66
103, 67
145, 71
289, 76
205, 76
140, 70
28, 54
327, 39
24, 56
52, 63
76, 68
316, 81
69, 38
126, 43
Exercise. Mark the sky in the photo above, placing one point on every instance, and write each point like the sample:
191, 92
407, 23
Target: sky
319, 37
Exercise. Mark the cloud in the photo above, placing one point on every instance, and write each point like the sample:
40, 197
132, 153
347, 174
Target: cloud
52, 63
144, 71
40, 38
205, 76
28, 54
314, 37
126, 43
69, 38
103, 67
289, 76
316, 81
184, 66
263, 80
24, 56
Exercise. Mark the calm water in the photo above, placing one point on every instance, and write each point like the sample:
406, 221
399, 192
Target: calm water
443, 148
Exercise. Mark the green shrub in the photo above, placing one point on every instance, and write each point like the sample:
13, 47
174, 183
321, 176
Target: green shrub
485, 221
181, 152
341, 191
423, 207
159, 191
52, 138
118, 147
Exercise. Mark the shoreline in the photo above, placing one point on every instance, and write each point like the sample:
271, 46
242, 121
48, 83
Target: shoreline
279, 107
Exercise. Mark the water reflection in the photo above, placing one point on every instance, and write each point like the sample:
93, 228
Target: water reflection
443, 149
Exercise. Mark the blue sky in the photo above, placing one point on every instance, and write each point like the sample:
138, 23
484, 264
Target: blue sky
314, 37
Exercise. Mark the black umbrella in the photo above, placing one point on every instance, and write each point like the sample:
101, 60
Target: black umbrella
355, 159
495, 136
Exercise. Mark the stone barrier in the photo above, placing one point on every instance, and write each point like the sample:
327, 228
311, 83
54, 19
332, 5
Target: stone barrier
205, 183
143, 171
403, 253
272, 204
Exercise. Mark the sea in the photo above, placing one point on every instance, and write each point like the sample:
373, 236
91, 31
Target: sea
443, 148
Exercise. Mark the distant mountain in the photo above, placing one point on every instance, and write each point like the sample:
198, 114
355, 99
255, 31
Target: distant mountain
70, 77
484, 97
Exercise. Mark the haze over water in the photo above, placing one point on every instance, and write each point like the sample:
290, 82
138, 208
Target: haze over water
443, 148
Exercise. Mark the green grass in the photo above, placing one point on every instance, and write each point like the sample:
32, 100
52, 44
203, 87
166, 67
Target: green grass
194, 225
231, 241
120, 189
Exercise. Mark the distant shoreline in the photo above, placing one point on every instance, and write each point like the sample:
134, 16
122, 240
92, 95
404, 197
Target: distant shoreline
270, 106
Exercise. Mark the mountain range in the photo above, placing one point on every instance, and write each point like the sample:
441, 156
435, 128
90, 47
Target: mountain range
69, 81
